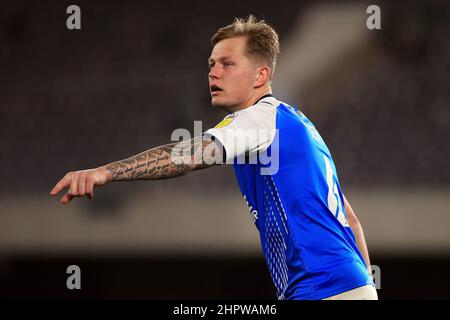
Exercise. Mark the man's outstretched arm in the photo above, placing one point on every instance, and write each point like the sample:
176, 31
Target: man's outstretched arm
163, 162
359, 234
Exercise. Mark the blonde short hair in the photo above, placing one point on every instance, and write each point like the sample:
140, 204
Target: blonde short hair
262, 39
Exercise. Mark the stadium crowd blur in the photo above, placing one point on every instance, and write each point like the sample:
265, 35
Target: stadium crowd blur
115, 88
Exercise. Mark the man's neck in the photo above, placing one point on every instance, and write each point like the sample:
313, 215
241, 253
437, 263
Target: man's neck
255, 96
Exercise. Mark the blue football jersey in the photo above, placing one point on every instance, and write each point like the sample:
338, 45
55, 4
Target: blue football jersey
289, 181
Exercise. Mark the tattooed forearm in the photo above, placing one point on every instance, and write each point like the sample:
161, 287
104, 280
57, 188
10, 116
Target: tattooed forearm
167, 161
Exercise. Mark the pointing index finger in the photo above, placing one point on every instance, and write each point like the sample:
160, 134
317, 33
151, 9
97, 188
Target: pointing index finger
60, 185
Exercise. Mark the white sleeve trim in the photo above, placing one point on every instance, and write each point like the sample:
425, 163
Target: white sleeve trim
252, 130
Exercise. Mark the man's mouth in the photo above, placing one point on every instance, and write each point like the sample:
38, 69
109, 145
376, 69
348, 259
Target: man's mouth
214, 88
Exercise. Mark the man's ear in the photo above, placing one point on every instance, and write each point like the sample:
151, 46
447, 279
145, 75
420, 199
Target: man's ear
262, 77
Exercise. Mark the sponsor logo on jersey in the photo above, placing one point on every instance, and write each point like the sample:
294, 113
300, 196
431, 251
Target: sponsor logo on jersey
253, 212
226, 121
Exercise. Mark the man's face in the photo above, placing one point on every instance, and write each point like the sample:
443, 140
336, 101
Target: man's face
232, 74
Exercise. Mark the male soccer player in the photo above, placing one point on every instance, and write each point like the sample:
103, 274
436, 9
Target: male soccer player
312, 240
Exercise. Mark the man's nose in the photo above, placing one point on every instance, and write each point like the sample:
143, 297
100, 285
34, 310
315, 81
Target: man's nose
213, 73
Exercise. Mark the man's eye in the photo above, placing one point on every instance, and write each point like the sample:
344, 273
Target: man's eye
227, 64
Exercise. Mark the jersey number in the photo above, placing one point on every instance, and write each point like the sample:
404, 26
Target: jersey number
334, 201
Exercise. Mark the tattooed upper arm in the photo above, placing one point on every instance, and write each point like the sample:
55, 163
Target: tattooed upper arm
199, 153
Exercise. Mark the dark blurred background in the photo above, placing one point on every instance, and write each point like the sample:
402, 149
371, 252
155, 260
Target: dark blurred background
137, 70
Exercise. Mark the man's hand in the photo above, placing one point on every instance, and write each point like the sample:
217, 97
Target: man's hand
81, 183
